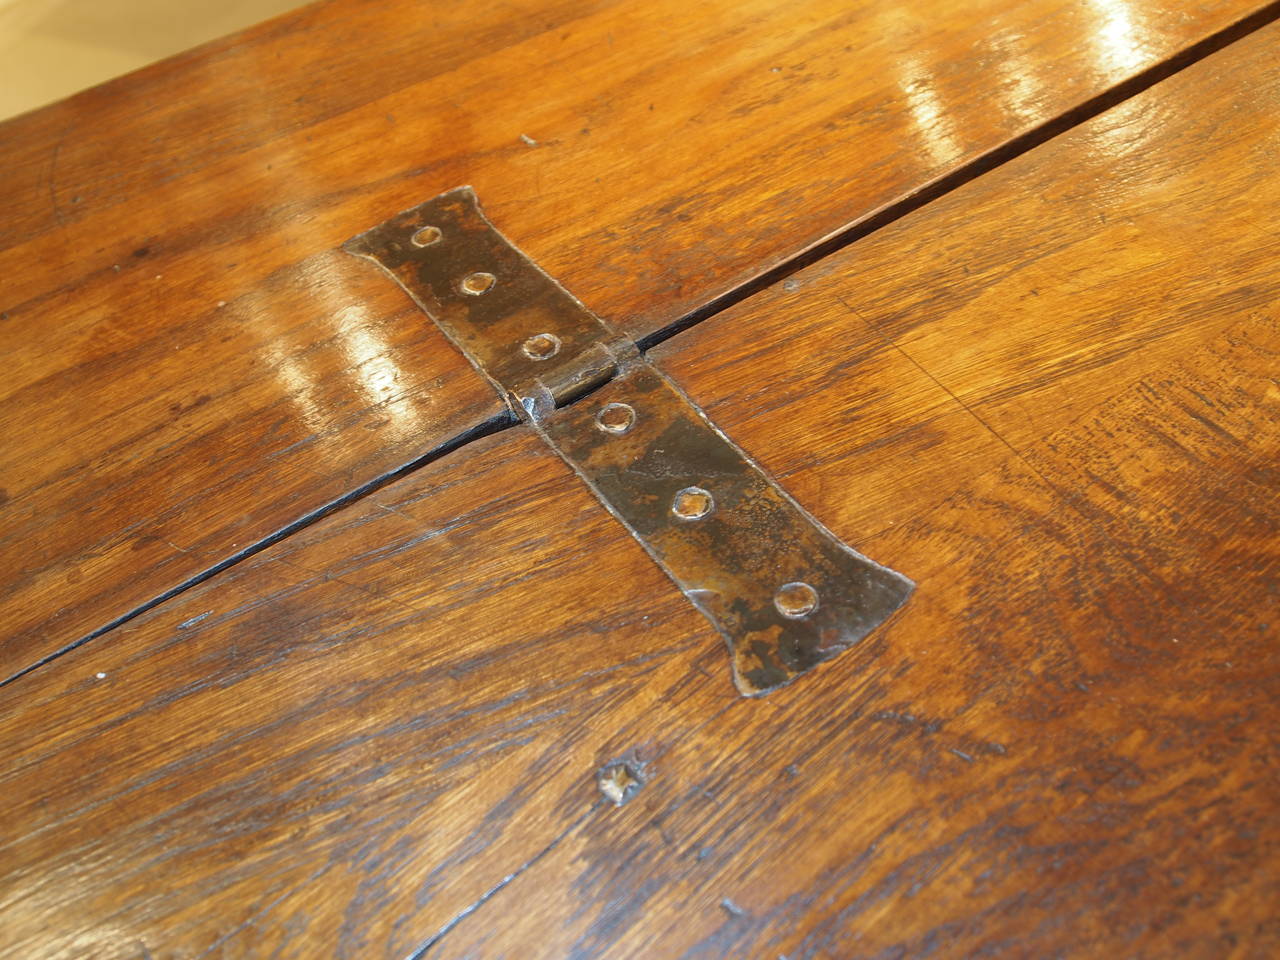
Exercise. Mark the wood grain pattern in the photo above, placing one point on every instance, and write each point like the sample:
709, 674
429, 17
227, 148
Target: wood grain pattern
193, 368
1066, 747
339, 744
381, 734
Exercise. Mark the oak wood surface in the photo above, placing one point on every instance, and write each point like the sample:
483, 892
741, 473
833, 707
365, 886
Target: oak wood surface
383, 733
1053, 399
192, 365
1066, 747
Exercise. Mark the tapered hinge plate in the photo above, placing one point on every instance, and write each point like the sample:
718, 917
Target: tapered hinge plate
782, 590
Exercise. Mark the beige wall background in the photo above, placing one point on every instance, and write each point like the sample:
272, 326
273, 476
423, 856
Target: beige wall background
50, 49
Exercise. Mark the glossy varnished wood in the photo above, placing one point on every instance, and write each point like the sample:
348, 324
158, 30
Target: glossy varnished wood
1052, 400
383, 732
341, 743
191, 365
1064, 747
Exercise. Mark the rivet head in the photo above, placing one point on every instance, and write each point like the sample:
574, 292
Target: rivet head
692, 503
796, 599
426, 236
474, 284
541, 346
616, 418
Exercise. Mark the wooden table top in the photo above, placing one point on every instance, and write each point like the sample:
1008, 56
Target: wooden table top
194, 364
1046, 391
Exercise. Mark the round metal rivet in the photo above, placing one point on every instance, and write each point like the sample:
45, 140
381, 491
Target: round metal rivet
426, 237
541, 346
796, 599
692, 503
477, 283
616, 418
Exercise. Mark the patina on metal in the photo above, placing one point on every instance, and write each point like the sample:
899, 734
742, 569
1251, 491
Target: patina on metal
782, 590
527, 334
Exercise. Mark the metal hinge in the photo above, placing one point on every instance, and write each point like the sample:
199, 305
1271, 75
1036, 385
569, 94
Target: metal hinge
779, 587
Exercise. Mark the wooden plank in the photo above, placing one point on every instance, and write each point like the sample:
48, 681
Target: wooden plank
217, 371
383, 732
1065, 747
337, 745
1051, 399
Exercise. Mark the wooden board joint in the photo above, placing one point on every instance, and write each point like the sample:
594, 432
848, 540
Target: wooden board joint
781, 589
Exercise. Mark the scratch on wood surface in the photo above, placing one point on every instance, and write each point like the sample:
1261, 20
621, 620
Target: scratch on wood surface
893, 344
501, 884
259, 914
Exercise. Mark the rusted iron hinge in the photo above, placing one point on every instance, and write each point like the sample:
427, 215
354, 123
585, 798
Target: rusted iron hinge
779, 587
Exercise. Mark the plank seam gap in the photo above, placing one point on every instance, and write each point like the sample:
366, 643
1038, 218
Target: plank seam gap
983, 163
483, 429
883, 217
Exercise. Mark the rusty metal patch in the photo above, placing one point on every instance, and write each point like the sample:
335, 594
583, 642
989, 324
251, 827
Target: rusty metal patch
528, 335
723, 531
782, 590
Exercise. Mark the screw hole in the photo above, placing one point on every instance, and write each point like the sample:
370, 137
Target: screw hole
426, 237
541, 346
616, 418
619, 781
796, 599
692, 503
474, 284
